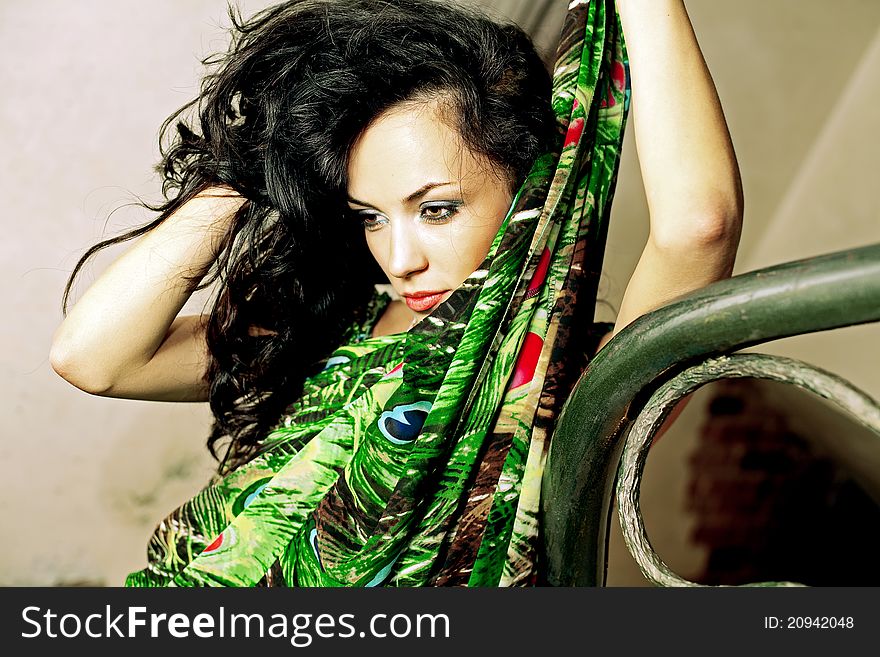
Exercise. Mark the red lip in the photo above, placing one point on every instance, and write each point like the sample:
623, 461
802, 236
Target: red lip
423, 301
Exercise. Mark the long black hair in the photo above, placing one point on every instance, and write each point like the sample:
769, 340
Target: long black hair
276, 120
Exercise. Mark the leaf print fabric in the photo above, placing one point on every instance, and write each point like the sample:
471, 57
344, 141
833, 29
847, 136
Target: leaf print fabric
415, 459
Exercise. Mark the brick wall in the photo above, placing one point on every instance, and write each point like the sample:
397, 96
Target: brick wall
769, 504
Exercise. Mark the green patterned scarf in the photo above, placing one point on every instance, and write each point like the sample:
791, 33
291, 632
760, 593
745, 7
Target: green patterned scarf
415, 459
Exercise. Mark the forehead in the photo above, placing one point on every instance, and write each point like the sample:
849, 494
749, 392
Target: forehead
404, 148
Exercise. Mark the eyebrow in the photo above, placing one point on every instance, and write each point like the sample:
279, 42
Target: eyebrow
415, 196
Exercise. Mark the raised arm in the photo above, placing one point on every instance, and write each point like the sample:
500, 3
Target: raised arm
689, 168
688, 165
123, 337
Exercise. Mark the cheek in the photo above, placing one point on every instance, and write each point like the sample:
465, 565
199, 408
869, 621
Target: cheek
485, 230
374, 244
467, 245
482, 242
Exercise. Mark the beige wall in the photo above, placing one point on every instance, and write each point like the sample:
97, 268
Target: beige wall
88, 83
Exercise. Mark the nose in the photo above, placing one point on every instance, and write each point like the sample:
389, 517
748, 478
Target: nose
406, 255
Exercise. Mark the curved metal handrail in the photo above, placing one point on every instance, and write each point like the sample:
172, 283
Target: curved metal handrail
840, 392
804, 296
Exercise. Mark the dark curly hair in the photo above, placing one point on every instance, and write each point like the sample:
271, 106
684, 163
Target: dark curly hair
277, 119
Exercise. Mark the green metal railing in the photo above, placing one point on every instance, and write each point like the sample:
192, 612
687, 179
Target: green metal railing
634, 382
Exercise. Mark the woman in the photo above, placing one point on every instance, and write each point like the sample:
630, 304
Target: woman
397, 440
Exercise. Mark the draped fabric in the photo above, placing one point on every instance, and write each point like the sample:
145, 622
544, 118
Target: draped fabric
415, 459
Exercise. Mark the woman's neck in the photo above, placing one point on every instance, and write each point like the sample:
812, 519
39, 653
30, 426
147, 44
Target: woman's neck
396, 318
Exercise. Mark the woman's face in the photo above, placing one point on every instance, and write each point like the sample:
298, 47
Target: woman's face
430, 207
